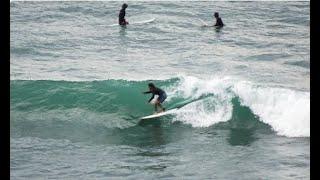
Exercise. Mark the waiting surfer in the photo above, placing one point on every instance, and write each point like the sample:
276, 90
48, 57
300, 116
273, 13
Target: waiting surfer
219, 22
122, 14
161, 96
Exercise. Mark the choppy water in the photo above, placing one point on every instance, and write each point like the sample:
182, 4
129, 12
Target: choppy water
243, 92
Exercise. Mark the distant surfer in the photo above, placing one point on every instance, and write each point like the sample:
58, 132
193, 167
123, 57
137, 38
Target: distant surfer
219, 22
122, 14
161, 96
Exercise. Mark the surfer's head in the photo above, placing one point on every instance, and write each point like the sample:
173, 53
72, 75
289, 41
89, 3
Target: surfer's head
151, 86
216, 14
124, 6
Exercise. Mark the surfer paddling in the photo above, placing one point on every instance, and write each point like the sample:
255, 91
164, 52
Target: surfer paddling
122, 14
161, 97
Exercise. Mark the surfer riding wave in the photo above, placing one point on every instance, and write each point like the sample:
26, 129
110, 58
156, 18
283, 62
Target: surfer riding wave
161, 97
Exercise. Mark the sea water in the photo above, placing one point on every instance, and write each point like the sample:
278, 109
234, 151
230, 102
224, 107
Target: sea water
243, 91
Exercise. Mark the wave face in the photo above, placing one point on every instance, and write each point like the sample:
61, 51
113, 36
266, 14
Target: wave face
119, 104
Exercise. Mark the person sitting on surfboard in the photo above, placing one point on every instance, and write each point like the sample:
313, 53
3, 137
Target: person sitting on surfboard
161, 96
122, 14
219, 22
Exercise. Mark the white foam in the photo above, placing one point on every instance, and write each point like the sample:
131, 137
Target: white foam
202, 114
193, 87
207, 111
286, 111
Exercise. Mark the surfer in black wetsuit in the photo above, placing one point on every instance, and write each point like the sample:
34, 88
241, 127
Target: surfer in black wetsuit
122, 14
156, 91
219, 22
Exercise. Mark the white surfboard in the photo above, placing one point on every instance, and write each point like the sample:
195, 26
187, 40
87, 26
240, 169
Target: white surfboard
204, 24
171, 111
136, 23
143, 22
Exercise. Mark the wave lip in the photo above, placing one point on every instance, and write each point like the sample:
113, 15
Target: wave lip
286, 111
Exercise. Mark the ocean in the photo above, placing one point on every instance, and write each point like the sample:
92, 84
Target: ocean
242, 92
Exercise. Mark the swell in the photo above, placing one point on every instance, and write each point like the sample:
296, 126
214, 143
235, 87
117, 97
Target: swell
118, 104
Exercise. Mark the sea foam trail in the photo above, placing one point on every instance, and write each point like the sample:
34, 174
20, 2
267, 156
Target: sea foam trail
286, 111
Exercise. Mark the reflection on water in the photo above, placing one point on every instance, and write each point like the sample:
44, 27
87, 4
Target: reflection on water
122, 31
157, 135
152, 154
218, 29
123, 41
241, 137
154, 130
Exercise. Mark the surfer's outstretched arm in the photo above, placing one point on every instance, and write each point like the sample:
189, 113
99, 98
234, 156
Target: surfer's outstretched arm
147, 92
151, 98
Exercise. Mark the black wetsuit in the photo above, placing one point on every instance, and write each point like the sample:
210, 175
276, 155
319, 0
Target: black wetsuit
122, 14
158, 91
219, 22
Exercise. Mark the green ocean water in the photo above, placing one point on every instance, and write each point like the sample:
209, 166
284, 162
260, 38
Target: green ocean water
106, 99
97, 123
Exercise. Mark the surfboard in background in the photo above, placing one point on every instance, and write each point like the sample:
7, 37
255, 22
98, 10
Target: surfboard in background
204, 24
136, 22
